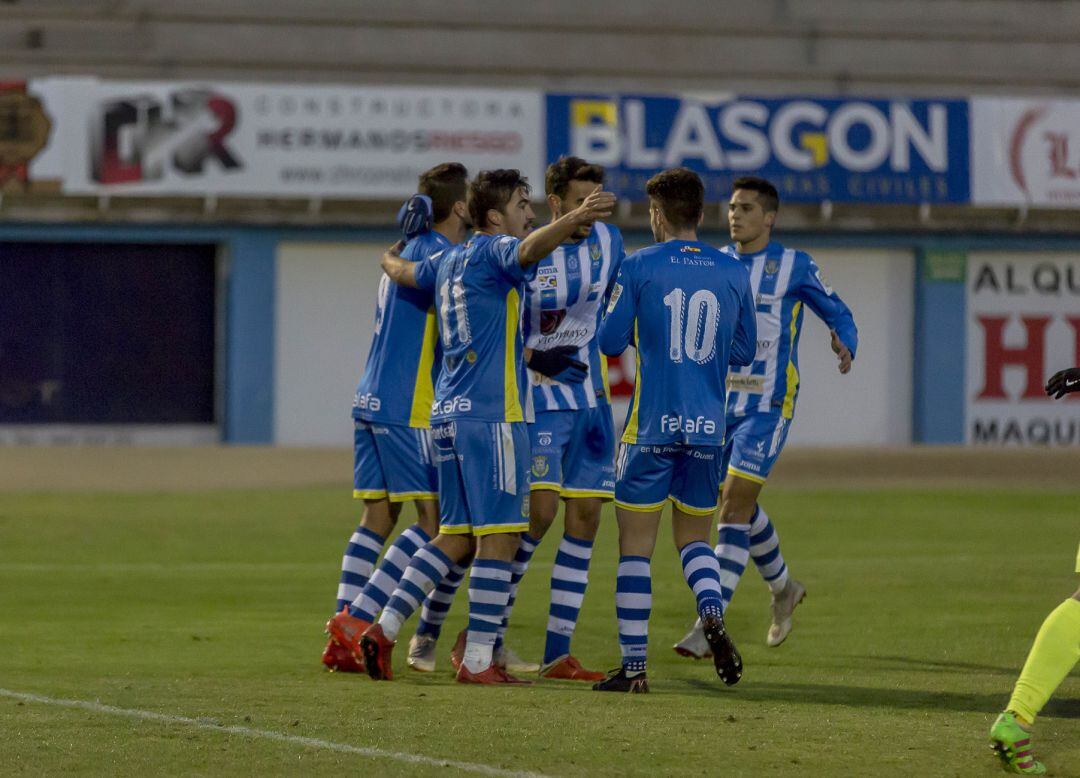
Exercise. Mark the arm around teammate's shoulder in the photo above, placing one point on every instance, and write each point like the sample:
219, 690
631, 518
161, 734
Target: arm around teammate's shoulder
401, 271
541, 242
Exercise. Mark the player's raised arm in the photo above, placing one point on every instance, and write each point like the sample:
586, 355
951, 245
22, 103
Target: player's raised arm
617, 328
541, 242
744, 344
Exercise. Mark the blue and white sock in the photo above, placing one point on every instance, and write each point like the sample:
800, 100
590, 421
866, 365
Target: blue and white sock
489, 593
569, 577
376, 593
357, 565
702, 572
732, 552
765, 550
427, 568
526, 549
437, 604
633, 605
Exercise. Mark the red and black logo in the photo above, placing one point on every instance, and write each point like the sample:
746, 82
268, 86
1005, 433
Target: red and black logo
139, 138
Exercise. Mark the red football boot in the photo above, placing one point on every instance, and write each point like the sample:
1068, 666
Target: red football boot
457, 653
345, 630
568, 668
339, 659
493, 675
377, 649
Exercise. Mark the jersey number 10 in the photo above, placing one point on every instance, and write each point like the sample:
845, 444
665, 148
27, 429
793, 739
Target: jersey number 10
692, 331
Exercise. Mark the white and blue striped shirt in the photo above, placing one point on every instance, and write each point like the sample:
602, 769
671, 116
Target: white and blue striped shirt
564, 305
782, 281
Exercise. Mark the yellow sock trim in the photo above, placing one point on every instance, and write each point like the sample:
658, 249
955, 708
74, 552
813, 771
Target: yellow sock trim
1055, 652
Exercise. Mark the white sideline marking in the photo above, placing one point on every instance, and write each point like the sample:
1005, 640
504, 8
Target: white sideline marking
310, 742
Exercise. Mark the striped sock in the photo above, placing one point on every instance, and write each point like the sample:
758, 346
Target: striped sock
732, 552
633, 604
526, 549
376, 593
489, 592
428, 567
437, 604
569, 577
765, 549
702, 572
356, 566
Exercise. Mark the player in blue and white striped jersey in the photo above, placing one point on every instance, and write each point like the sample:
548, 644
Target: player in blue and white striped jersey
761, 398
573, 435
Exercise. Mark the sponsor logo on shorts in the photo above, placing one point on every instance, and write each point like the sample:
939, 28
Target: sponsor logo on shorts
456, 404
744, 465
708, 456
540, 466
544, 439
608, 484
698, 424
444, 431
758, 451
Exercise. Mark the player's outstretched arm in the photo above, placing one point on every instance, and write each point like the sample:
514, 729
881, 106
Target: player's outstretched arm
1063, 382
401, 271
828, 306
541, 242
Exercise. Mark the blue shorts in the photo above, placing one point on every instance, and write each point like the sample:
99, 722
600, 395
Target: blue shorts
647, 476
753, 444
393, 461
573, 452
483, 476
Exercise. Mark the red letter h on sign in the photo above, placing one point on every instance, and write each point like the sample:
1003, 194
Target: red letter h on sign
997, 356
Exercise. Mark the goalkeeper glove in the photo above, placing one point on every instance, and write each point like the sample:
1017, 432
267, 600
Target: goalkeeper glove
1063, 382
414, 217
559, 364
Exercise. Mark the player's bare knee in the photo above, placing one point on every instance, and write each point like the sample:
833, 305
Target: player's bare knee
457, 547
380, 516
500, 545
427, 516
583, 517
543, 507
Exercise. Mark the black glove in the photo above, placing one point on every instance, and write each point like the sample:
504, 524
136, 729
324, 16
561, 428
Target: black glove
559, 364
414, 217
1063, 382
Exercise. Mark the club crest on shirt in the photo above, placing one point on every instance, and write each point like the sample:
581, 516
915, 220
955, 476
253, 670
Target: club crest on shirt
772, 267
540, 466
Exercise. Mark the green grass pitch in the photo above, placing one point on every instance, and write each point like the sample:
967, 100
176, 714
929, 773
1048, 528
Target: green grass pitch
921, 608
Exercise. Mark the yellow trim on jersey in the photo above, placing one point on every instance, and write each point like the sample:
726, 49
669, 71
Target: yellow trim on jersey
788, 410
689, 509
500, 529
640, 508
406, 496
630, 433
748, 476
369, 494
423, 390
604, 378
545, 486
512, 402
575, 494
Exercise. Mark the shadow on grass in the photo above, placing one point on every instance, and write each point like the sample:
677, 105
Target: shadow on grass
934, 665
869, 697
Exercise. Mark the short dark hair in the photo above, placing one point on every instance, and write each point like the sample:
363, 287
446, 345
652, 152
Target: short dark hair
560, 174
680, 195
445, 184
492, 189
768, 196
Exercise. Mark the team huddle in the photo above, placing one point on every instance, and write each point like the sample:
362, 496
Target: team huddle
485, 401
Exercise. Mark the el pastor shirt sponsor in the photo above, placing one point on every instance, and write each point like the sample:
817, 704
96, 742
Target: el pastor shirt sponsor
870, 150
1023, 325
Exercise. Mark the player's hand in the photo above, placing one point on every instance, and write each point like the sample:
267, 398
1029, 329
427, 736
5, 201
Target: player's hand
598, 205
559, 364
1063, 382
415, 216
396, 249
842, 352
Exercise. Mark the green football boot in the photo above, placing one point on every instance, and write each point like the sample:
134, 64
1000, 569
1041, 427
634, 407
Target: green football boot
1012, 744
